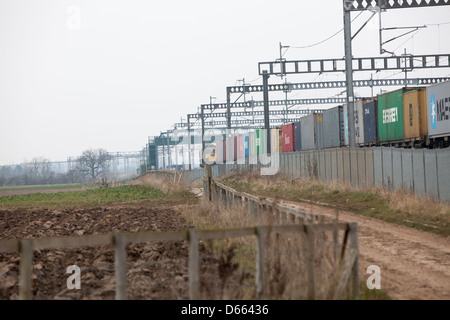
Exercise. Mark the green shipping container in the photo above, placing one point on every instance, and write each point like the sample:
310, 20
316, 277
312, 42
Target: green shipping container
390, 115
259, 141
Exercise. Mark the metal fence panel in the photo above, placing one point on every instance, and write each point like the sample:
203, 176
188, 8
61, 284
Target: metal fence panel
407, 169
397, 168
370, 179
346, 164
377, 166
431, 176
387, 167
361, 159
353, 167
443, 169
419, 170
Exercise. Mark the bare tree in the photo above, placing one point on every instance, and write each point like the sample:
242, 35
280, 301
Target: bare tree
37, 171
93, 163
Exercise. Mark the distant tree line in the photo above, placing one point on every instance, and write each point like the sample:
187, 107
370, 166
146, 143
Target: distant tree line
90, 166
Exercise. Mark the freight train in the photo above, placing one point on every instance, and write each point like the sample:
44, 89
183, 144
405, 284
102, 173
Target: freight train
408, 117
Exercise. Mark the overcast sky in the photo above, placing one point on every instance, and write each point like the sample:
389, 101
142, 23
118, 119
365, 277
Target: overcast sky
109, 73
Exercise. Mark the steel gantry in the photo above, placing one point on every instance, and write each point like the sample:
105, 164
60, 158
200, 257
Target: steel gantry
349, 64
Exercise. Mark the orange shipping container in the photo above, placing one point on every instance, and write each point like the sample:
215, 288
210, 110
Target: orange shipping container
415, 115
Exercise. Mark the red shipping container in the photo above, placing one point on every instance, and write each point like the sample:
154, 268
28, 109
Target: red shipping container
235, 148
288, 137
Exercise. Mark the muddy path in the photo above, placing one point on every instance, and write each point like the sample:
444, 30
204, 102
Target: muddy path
414, 264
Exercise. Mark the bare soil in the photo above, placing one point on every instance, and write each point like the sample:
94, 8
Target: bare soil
156, 270
20, 192
415, 265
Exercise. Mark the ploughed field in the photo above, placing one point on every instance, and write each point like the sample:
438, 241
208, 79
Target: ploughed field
155, 270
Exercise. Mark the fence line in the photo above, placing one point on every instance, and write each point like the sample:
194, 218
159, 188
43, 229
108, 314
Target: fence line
348, 266
348, 269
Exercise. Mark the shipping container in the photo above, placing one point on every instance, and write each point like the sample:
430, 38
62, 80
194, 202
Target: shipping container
252, 140
240, 146
274, 136
415, 115
438, 101
312, 131
230, 149
359, 121
370, 123
333, 127
246, 143
390, 116
260, 141
288, 137
220, 151
298, 135
235, 148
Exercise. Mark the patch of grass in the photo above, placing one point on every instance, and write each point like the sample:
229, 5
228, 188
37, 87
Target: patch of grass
43, 187
87, 197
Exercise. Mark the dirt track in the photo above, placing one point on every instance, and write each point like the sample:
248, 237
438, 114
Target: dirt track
415, 265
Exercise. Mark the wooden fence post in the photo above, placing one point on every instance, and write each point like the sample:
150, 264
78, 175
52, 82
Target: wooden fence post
309, 245
120, 266
194, 266
354, 289
260, 236
26, 268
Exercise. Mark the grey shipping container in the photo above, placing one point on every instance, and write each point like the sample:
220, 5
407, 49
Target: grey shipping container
370, 123
298, 136
333, 127
312, 131
438, 107
359, 122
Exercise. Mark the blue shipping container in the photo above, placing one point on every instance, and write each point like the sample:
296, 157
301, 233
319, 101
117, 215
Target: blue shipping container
246, 141
370, 123
298, 137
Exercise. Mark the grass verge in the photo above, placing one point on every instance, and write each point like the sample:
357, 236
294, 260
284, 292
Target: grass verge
404, 208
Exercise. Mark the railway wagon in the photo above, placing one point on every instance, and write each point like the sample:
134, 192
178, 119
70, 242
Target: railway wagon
438, 113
